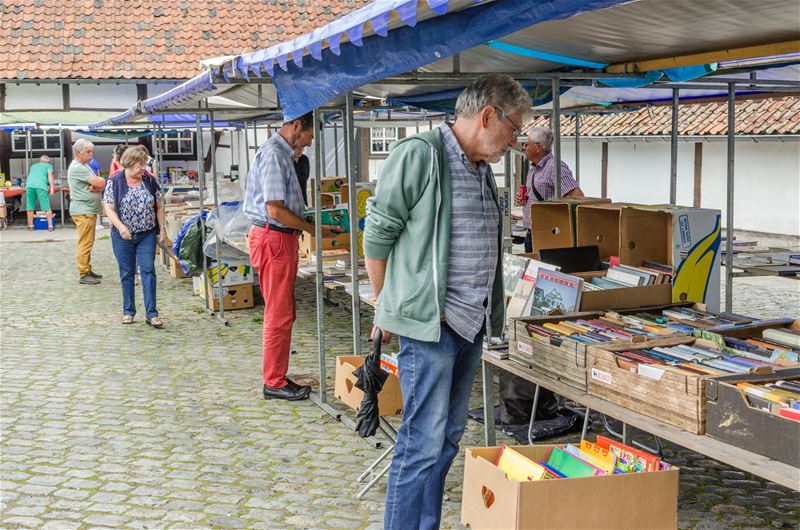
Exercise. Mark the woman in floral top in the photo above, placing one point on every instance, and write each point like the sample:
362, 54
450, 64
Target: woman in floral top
133, 204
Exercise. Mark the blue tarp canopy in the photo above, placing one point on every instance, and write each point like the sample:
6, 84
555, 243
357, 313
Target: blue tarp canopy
387, 38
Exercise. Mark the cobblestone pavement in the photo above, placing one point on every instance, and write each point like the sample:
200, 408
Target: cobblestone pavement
105, 425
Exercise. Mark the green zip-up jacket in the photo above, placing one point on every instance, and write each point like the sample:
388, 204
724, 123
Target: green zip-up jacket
408, 222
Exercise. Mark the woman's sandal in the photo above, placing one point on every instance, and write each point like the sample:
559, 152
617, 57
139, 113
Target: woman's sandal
155, 322
30, 227
127, 319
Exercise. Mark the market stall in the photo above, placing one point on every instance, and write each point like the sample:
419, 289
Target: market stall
363, 56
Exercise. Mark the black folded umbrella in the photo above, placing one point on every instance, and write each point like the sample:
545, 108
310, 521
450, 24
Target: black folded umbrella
370, 379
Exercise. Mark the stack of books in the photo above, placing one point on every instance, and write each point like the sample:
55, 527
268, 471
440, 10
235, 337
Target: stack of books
604, 457
693, 360
620, 276
786, 394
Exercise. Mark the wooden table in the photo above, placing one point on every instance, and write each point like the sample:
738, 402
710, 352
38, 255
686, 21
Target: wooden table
756, 464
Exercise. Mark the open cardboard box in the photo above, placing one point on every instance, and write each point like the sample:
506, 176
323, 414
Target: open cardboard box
688, 239
624, 297
390, 398
553, 222
636, 501
233, 296
308, 243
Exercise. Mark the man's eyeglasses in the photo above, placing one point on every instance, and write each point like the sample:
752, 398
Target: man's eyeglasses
515, 129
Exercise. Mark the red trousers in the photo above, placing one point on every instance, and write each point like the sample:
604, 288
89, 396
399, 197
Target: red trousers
273, 254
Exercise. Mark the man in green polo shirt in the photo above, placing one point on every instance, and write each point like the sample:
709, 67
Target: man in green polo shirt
85, 191
39, 186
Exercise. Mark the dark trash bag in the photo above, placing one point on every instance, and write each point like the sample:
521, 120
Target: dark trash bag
370, 379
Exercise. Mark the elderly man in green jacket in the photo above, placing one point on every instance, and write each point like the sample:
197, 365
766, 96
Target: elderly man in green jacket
432, 242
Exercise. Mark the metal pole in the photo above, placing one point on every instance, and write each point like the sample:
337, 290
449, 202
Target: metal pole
729, 212
353, 207
324, 165
556, 125
27, 152
247, 151
61, 172
323, 392
578, 148
201, 185
673, 154
504, 204
336, 149
217, 240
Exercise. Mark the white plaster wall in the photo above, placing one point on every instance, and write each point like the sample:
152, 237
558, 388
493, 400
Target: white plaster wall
766, 186
102, 96
767, 189
30, 96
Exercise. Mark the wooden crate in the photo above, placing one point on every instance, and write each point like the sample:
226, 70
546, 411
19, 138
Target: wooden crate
564, 361
667, 396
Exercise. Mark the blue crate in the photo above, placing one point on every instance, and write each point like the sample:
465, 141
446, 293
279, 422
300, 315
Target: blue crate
40, 223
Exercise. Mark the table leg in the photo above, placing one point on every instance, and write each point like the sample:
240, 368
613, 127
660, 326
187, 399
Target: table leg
585, 424
533, 414
490, 436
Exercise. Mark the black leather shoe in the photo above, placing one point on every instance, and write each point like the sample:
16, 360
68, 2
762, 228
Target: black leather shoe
286, 392
304, 388
95, 275
88, 279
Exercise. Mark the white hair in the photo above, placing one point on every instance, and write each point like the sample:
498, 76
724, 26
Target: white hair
81, 145
495, 89
44, 158
542, 136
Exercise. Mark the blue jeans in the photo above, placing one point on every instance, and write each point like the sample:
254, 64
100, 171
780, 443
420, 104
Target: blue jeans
436, 379
139, 249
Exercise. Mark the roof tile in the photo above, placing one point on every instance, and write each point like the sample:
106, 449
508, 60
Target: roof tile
776, 116
177, 34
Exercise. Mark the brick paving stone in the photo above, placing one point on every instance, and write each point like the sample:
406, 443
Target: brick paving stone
139, 428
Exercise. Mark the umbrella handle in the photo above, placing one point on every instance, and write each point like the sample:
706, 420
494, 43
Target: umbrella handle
376, 342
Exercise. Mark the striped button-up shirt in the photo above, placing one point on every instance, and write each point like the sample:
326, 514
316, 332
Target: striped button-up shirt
473, 242
272, 177
542, 176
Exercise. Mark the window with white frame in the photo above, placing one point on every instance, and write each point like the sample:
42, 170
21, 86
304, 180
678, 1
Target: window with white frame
41, 141
177, 143
380, 138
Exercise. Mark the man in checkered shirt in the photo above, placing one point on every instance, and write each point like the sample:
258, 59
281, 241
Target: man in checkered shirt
516, 393
541, 178
274, 204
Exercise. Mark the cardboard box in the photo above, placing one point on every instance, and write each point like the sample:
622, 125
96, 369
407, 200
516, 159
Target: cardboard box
492, 501
677, 399
750, 422
231, 274
553, 223
390, 399
327, 185
173, 222
233, 296
686, 238
695, 242
624, 297
175, 269
308, 243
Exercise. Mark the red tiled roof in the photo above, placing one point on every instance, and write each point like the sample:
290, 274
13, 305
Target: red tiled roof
773, 116
146, 39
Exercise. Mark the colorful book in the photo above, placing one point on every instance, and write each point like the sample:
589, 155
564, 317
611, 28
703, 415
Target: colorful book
570, 466
639, 460
557, 291
599, 467
517, 466
783, 336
